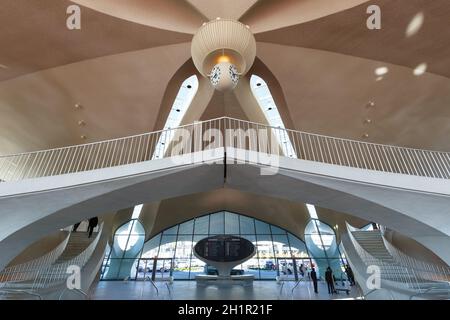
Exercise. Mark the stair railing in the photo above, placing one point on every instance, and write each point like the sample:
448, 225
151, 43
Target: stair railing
57, 273
423, 270
396, 272
29, 269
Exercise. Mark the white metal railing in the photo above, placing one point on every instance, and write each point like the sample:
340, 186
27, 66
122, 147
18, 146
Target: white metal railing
402, 268
45, 276
58, 272
29, 269
225, 132
390, 270
423, 270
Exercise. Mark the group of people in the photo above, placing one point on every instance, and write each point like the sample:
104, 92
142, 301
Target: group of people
93, 222
330, 280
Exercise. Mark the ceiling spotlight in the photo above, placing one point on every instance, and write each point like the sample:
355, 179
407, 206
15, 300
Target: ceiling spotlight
81, 123
415, 24
367, 121
83, 137
78, 106
381, 71
420, 69
371, 104
365, 135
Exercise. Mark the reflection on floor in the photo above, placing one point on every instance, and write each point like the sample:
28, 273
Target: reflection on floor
188, 290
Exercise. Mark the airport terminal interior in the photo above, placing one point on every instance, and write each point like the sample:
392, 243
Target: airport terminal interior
225, 149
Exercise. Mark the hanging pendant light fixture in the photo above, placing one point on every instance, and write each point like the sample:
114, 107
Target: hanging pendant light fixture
223, 50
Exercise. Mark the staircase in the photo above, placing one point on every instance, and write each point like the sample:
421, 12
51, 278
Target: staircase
78, 242
78, 250
374, 250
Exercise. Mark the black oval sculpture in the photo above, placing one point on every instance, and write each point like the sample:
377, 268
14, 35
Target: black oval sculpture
224, 248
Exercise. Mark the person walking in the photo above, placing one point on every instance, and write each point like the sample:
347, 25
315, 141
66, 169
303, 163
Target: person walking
302, 270
330, 281
75, 226
93, 222
314, 279
350, 276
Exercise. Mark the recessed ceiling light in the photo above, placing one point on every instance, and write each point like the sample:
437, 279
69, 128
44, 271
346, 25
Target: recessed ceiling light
83, 137
371, 104
381, 71
420, 69
368, 121
78, 106
81, 123
365, 135
415, 24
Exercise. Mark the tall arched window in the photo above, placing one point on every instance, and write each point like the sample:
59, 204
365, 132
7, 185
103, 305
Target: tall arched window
181, 104
262, 94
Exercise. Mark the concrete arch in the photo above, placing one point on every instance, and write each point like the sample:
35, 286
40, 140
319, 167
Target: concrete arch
397, 201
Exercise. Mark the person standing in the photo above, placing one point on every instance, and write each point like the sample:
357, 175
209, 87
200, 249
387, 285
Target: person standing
314, 279
93, 222
330, 281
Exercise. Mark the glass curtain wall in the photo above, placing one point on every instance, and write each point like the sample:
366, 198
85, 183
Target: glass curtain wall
278, 252
127, 246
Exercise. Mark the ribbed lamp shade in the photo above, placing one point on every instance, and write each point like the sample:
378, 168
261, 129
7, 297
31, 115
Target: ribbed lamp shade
223, 38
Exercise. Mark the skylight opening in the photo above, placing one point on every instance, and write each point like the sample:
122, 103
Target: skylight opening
262, 94
312, 211
137, 211
181, 104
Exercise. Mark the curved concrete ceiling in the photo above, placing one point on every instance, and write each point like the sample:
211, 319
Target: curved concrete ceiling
119, 94
328, 93
232, 9
174, 15
316, 90
34, 36
271, 15
346, 32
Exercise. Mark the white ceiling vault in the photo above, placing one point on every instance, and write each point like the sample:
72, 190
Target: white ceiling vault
125, 65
